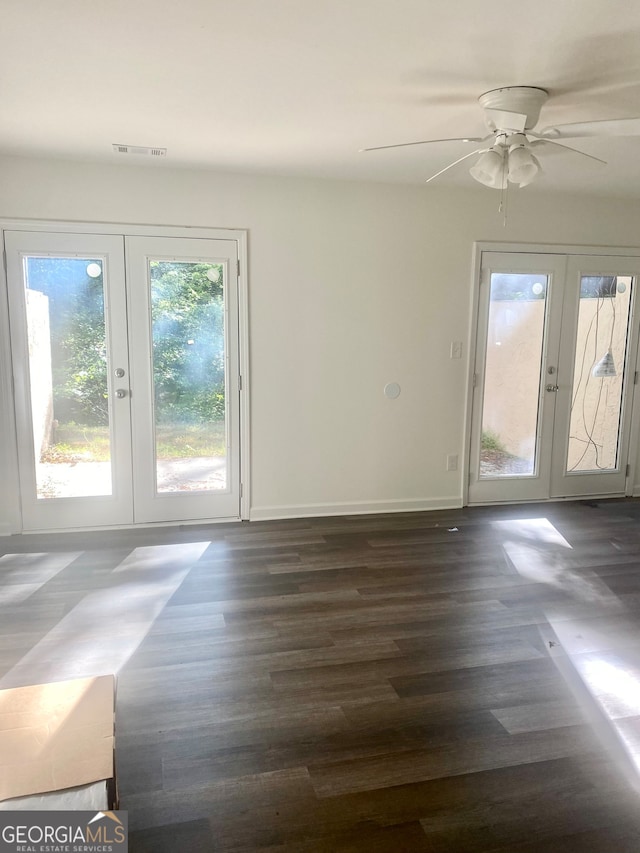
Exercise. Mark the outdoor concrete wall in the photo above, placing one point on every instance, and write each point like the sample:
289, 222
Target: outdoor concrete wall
40, 369
352, 285
596, 410
512, 375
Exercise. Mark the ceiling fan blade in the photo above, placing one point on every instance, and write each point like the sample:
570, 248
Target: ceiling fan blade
608, 127
566, 148
428, 142
455, 163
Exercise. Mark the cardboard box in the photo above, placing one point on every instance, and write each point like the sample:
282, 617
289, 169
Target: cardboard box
57, 737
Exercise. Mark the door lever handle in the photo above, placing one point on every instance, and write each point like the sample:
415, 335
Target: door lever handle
120, 393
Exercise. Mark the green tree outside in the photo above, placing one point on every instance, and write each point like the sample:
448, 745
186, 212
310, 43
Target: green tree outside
187, 308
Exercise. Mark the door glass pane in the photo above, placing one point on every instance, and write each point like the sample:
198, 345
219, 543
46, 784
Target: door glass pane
68, 376
515, 343
188, 325
598, 374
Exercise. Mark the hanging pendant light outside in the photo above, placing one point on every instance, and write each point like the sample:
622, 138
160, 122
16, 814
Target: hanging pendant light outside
605, 367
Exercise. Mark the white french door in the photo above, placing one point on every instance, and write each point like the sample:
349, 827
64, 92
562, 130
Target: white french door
126, 372
554, 376
183, 349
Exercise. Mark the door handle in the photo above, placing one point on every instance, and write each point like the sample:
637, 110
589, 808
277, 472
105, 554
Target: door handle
552, 387
120, 393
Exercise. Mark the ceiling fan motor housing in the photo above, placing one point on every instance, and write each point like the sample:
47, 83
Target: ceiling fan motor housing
513, 108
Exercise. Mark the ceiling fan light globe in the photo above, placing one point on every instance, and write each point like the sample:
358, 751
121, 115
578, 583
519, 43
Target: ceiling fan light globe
489, 170
523, 166
524, 182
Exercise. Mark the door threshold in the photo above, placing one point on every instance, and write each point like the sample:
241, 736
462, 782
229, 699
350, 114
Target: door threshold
559, 499
140, 526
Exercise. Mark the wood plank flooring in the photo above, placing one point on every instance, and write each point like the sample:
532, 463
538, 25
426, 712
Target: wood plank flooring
417, 682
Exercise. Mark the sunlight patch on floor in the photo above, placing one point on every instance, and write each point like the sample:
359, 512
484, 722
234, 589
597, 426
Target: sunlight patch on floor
598, 652
101, 633
23, 574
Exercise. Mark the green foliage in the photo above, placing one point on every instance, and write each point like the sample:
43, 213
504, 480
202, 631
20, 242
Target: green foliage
188, 340
491, 441
191, 440
80, 443
77, 326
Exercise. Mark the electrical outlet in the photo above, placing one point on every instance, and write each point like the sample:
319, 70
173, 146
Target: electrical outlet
452, 462
456, 349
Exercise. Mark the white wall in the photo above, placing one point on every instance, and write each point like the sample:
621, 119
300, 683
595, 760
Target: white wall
351, 286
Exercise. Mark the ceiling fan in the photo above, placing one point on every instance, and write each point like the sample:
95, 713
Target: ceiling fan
511, 115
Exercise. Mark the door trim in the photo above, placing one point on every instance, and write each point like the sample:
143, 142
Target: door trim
480, 247
9, 506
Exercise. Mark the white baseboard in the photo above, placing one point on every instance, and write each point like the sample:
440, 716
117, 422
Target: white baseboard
636, 491
268, 513
5, 530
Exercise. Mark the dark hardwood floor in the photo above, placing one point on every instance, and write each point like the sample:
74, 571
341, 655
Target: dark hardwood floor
452, 682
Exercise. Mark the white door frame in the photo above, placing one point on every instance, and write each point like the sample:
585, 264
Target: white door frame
546, 249
9, 497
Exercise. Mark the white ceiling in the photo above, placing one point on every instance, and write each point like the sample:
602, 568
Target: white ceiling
299, 86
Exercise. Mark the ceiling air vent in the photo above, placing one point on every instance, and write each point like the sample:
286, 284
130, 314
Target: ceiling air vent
139, 149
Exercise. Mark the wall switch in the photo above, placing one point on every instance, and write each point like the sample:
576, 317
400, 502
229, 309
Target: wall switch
456, 349
452, 462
